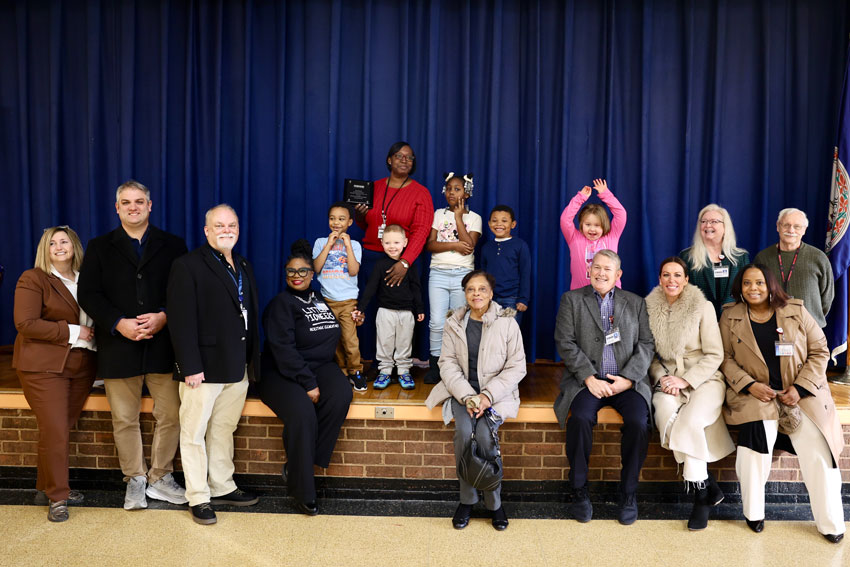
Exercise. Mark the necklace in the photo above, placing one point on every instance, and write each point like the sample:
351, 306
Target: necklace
307, 301
761, 318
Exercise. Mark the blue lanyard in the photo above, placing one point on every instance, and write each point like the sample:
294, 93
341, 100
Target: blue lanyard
238, 284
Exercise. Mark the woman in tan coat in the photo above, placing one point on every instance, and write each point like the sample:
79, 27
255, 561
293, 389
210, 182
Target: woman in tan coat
54, 358
483, 358
688, 388
775, 358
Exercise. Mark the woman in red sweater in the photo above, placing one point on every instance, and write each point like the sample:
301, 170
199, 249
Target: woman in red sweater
397, 199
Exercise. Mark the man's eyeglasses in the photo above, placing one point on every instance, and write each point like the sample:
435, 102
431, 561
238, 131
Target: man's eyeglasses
300, 272
403, 157
787, 226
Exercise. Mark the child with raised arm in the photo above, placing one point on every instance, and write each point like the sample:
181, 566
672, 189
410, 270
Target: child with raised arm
454, 234
336, 261
399, 307
508, 260
595, 232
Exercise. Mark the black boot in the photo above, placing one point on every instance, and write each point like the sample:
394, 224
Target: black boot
699, 513
715, 495
433, 374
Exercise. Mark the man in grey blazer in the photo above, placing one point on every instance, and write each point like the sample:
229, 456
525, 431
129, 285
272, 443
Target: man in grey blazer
602, 334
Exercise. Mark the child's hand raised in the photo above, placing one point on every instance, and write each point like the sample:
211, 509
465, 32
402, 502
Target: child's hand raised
586, 191
600, 185
332, 237
346, 239
460, 207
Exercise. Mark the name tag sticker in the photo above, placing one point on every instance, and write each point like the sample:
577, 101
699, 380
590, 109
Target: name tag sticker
612, 337
784, 349
721, 272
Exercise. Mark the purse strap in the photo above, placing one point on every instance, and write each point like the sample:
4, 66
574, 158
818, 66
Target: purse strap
489, 418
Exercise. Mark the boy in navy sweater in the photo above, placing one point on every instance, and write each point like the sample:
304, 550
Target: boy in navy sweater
399, 307
507, 258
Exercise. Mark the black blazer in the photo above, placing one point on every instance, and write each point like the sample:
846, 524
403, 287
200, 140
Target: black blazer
207, 329
115, 283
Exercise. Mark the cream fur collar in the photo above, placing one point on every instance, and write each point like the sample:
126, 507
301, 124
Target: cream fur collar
672, 326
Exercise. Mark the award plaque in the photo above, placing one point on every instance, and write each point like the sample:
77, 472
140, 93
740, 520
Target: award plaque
358, 192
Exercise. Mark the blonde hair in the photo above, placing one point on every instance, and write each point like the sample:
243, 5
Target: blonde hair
42, 252
395, 228
601, 214
698, 255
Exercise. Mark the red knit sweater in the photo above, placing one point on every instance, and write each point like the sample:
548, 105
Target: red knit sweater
411, 207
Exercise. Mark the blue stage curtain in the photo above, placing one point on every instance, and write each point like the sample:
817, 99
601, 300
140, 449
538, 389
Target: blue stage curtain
270, 105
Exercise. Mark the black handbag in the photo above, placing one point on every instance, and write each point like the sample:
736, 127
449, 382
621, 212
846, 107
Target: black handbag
481, 471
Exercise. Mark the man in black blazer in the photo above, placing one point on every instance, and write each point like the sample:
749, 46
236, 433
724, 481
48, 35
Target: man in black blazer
212, 309
122, 285
603, 335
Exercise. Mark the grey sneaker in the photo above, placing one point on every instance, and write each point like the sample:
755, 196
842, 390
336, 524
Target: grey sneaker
134, 498
74, 497
168, 490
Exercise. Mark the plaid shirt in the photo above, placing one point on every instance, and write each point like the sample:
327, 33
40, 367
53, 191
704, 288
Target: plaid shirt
606, 310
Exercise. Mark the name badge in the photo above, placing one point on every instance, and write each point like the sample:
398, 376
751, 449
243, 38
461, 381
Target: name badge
322, 306
612, 337
381, 231
721, 272
784, 349
244, 316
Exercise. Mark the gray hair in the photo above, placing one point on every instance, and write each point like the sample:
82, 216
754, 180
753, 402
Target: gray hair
610, 254
132, 184
210, 211
698, 255
790, 211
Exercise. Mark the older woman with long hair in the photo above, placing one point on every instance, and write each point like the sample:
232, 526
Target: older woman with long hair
54, 358
688, 388
714, 257
775, 358
482, 358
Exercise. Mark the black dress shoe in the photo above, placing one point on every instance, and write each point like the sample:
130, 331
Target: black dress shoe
833, 538
500, 519
284, 472
307, 508
756, 525
461, 518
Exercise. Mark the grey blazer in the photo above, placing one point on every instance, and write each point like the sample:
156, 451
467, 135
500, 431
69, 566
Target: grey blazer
580, 338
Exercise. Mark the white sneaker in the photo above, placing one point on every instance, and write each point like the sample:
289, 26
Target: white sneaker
134, 498
168, 490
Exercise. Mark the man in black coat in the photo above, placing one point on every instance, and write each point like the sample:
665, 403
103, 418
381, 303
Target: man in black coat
212, 307
122, 286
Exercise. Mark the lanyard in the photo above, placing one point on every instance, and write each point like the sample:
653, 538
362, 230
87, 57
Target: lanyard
386, 206
791, 269
238, 283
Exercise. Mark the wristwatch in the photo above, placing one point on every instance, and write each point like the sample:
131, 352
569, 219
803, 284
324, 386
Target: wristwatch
405, 263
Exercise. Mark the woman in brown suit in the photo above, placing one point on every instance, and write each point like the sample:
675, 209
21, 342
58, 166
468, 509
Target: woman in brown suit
775, 359
54, 356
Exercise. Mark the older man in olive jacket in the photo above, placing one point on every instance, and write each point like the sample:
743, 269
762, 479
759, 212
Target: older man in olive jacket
603, 335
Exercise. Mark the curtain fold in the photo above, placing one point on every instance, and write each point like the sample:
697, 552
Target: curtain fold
269, 105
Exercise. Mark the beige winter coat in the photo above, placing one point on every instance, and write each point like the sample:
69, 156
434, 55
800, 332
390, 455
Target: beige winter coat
743, 364
501, 362
688, 345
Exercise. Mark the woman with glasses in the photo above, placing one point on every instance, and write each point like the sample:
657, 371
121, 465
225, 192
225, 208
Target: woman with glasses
714, 258
54, 358
397, 199
301, 382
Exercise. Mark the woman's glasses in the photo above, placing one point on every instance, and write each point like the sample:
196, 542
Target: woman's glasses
404, 157
300, 272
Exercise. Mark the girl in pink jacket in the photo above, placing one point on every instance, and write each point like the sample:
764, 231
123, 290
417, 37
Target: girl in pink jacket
596, 231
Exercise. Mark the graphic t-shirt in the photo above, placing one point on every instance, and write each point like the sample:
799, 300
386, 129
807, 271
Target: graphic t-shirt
444, 224
337, 284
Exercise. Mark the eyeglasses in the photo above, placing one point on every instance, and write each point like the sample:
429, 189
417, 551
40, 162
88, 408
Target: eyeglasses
403, 157
300, 272
796, 227
711, 222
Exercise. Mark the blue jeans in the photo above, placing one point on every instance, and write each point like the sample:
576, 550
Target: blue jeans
505, 302
444, 293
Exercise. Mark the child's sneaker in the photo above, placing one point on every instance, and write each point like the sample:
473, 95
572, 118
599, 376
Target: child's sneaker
381, 382
406, 381
358, 381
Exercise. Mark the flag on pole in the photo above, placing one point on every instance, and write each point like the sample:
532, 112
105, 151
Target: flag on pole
837, 246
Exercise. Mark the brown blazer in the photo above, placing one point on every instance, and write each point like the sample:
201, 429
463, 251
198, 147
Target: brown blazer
744, 364
43, 309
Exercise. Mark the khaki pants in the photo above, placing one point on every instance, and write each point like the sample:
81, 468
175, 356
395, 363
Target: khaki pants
347, 354
209, 415
125, 399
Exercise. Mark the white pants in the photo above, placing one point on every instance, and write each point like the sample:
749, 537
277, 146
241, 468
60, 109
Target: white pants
209, 415
395, 340
823, 482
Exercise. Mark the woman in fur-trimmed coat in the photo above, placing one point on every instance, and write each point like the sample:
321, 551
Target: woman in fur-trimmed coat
688, 388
